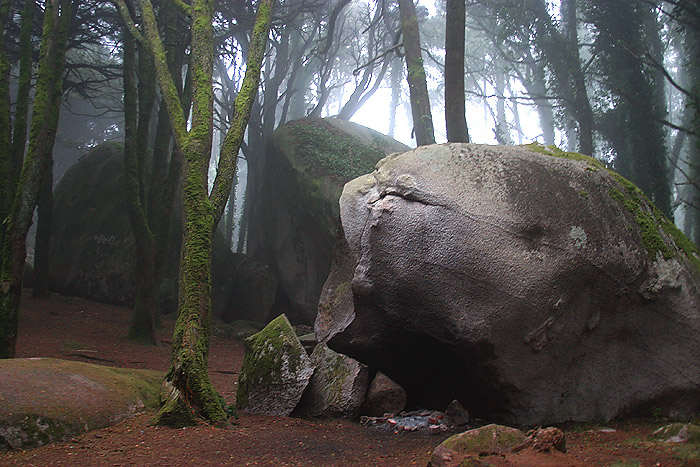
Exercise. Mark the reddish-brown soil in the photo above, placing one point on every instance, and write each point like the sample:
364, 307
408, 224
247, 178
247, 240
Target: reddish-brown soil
77, 329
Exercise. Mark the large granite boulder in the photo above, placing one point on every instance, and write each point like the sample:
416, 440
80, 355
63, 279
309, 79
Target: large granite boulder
295, 217
93, 252
530, 284
45, 400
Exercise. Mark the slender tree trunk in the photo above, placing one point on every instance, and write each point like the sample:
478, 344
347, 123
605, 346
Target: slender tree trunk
417, 85
19, 138
395, 96
455, 110
143, 321
502, 130
6, 190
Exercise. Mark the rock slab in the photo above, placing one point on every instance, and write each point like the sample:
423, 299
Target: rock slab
276, 370
533, 285
45, 400
337, 387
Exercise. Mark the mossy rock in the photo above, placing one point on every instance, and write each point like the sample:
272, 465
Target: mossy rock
275, 372
295, 218
481, 265
44, 400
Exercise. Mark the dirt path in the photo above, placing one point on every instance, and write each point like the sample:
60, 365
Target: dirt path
78, 329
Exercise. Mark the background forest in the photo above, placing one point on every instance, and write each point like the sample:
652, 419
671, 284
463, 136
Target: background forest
618, 80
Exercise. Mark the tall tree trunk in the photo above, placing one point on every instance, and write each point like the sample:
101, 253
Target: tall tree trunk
560, 52
502, 130
6, 190
455, 110
417, 85
19, 137
44, 114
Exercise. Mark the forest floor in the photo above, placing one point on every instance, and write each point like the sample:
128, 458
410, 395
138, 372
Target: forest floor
78, 329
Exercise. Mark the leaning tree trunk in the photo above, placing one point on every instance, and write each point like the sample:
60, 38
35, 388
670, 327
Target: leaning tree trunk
417, 85
455, 110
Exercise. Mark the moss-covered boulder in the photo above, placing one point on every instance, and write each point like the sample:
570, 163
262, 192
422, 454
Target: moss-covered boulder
276, 370
337, 387
44, 400
295, 217
459, 449
93, 252
533, 285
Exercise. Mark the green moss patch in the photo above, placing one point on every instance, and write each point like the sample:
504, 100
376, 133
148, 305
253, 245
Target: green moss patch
327, 151
554, 151
659, 234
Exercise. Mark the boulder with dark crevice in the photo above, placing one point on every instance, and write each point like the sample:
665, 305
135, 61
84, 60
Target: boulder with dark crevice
534, 285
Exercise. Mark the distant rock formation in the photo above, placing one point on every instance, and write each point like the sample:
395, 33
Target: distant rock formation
533, 285
92, 252
295, 218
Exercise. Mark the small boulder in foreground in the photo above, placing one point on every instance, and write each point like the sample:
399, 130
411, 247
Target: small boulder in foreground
276, 370
46, 400
486, 440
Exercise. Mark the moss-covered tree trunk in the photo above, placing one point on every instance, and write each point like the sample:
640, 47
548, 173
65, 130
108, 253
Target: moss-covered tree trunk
188, 392
44, 113
19, 135
417, 84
